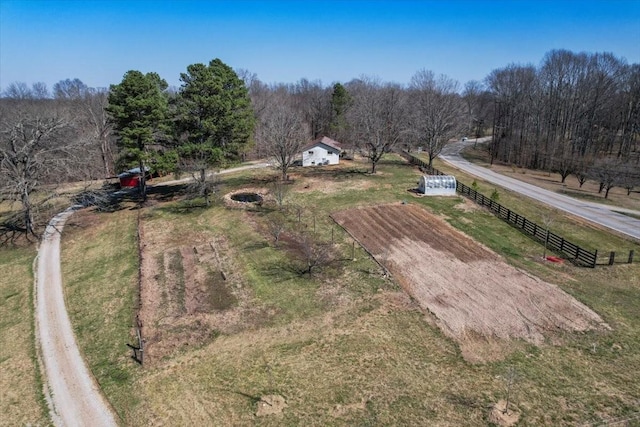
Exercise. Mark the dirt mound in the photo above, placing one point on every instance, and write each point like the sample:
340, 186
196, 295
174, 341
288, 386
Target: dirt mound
271, 404
476, 297
499, 414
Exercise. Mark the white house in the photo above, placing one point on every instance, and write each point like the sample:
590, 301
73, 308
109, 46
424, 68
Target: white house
322, 151
437, 185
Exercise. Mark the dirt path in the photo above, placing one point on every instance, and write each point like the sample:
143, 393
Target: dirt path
74, 397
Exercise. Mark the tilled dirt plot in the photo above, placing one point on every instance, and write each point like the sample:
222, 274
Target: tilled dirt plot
475, 296
190, 293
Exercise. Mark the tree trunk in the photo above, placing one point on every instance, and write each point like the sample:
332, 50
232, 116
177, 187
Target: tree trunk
203, 182
107, 156
142, 181
28, 214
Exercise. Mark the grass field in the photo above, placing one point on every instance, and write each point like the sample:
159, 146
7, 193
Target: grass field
21, 398
344, 346
99, 270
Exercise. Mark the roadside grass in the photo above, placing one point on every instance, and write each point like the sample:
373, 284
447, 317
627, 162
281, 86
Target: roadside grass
21, 396
99, 269
552, 181
572, 228
347, 346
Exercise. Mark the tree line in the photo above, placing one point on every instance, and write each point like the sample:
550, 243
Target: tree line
575, 113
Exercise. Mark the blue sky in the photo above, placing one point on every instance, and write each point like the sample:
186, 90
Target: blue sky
284, 41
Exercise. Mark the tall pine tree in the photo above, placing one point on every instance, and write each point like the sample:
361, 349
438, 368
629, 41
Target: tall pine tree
214, 113
138, 108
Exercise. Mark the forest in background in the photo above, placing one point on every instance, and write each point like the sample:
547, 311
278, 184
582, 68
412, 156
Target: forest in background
574, 113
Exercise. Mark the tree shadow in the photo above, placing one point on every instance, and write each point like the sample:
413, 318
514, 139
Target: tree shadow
12, 233
164, 193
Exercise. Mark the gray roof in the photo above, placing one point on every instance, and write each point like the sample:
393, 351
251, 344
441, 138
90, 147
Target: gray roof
325, 140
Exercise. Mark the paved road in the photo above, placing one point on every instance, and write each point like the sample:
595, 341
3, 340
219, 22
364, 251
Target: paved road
600, 214
72, 393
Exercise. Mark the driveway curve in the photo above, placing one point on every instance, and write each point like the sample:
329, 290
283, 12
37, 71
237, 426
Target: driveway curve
603, 215
73, 395
71, 391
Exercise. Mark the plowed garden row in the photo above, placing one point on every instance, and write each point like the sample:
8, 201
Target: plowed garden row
473, 294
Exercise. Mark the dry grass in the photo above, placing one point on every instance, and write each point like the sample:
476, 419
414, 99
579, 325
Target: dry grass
21, 399
376, 365
347, 347
99, 270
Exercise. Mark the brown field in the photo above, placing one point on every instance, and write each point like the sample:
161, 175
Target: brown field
190, 293
475, 296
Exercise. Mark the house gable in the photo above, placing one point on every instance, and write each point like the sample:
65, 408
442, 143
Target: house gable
323, 151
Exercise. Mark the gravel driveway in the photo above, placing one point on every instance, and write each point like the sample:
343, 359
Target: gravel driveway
72, 393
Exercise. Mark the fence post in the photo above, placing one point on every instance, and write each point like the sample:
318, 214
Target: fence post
612, 258
630, 256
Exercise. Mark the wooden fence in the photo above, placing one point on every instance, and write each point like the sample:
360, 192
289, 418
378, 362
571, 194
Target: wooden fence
554, 242
138, 350
559, 244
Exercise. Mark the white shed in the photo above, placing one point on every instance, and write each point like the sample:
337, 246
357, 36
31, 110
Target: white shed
437, 185
322, 151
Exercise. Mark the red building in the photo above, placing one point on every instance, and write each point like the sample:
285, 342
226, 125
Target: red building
131, 178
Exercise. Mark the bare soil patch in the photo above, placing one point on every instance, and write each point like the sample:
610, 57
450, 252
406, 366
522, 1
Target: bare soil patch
328, 186
476, 297
190, 292
503, 416
272, 404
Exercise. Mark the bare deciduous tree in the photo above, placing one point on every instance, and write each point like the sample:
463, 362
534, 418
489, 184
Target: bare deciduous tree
377, 117
92, 118
21, 91
70, 89
314, 102
312, 253
280, 190
37, 149
436, 111
276, 224
608, 174
630, 177
574, 105
203, 185
283, 132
